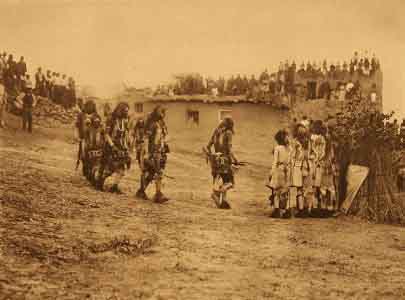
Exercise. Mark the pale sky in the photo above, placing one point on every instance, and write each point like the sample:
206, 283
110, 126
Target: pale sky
103, 43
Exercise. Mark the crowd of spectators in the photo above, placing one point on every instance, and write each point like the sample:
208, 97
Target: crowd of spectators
286, 81
53, 85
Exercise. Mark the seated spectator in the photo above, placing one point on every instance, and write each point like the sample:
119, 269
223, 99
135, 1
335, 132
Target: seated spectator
341, 93
373, 95
305, 122
214, 92
350, 90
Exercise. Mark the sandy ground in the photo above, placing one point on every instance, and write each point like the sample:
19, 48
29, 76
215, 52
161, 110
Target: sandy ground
60, 239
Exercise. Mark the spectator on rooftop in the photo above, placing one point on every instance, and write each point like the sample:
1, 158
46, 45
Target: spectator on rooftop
252, 82
3, 103
309, 67
293, 66
21, 68
373, 64
280, 67
373, 94
11, 64
64, 92
402, 133
238, 85
11, 74
352, 67
48, 84
366, 63
360, 67
377, 64
221, 85
355, 58
314, 66
3, 57
301, 71
286, 65
230, 85
345, 68
338, 67
264, 77
26, 82
3, 66
245, 84
53, 86
72, 91
39, 82
57, 88
395, 127
324, 69
272, 85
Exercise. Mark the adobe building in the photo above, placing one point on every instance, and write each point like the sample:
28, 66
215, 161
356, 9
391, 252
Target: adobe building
193, 118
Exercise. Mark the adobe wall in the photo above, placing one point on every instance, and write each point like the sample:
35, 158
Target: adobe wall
255, 125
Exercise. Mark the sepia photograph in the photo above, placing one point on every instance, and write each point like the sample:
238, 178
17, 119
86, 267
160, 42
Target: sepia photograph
213, 150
